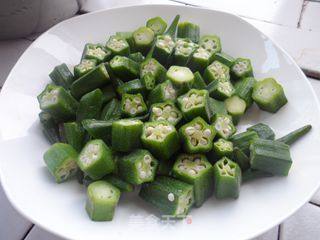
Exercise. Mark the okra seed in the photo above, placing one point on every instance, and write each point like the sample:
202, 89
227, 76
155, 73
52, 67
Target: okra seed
197, 160
197, 126
203, 141
157, 111
171, 119
190, 130
171, 197
147, 159
207, 133
192, 172
133, 111
143, 174
161, 118
194, 142
140, 108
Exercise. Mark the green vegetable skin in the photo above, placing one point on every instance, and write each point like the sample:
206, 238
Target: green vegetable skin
166, 111
112, 110
98, 129
241, 159
74, 135
224, 58
170, 196
243, 140
151, 73
137, 57
143, 39
62, 76
189, 30
124, 67
263, 130
198, 83
295, 135
116, 181
244, 88
132, 87
133, 105
216, 107
49, 127
90, 105
157, 24
108, 93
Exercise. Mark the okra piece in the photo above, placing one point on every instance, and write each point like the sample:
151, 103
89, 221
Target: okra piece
125, 68
98, 129
217, 71
85, 66
220, 90
268, 94
116, 181
96, 159
58, 102
160, 138
108, 93
252, 174
133, 105
241, 159
126, 134
74, 135
198, 83
224, 58
241, 68
157, 25
263, 131
164, 167
128, 36
243, 140
102, 199
60, 159
200, 59
211, 43
194, 103
138, 167
223, 148
189, 30
227, 179
165, 111
62, 76
195, 169
181, 77
183, 51
162, 92
111, 111
295, 135
151, 73
170, 196
96, 52
137, 57
143, 39
235, 107
118, 45
49, 127
244, 88
197, 136
216, 107
223, 125
270, 156
132, 87
96, 78
90, 105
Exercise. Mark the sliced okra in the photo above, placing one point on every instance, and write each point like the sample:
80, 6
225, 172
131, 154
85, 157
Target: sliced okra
162, 92
211, 43
244, 88
195, 169
143, 39
133, 105
62, 76
197, 136
227, 179
98, 129
164, 167
243, 140
128, 36
118, 45
170, 196
96, 52
224, 125
137, 57
102, 199
220, 89
61, 161
183, 51
295, 135
132, 87
235, 107
160, 138
96, 159
216, 107
138, 167
85, 66
111, 111
194, 103
58, 102
217, 71
165, 111
49, 127
90, 105
125, 68
198, 83
108, 93
200, 59
241, 159
119, 183
224, 58
270, 156
74, 135
189, 30
181, 77
157, 24
263, 131
151, 73
223, 148
242, 68
126, 134
268, 94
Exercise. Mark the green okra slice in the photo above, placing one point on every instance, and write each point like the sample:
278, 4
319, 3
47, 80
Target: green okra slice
220, 89
194, 103
96, 78
166, 111
138, 167
263, 131
58, 102
133, 105
137, 57
181, 77
124, 67
227, 179
111, 111
224, 58
195, 169
295, 135
126, 134
132, 87
143, 39
197, 136
160, 138
74, 135
211, 43
108, 93
98, 129
183, 51
102, 199
198, 83
268, 94
128, 36
270, 156
200, 59
189, 30
85, 66
243, 140
242, 68
162, 92
223, 148
116, 181
241, 159
49, 127
223, 125
60, 159
152, 73
236, 107
62, 76
118, 45
244, 88
97, 52
170, 196
96, 159
164, 167
252, 174
216, 107
157, 25
90, 105
217, 71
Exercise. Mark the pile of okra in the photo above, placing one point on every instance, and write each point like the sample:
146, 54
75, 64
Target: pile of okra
157, 109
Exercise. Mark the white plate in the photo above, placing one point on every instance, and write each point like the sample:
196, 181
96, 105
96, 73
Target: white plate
60, 208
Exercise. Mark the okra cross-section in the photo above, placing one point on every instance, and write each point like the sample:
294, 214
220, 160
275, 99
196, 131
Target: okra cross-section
102, 199
133, 105
181, 77
163, 49
151, 73
160, 138
95, 159
166, 111
183, 51
195, 103
227, 179
143, 39
220, 89
157, 24
242, 68
61, 161
223, 148
96, 52
124, 67
85, 66
170, 196
200, 59
138, 167
217, 71
197, 136
195, 169
118, 46
162, 92
235, 107
224, 126
211, 43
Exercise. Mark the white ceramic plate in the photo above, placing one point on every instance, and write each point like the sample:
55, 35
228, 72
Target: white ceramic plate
60, 208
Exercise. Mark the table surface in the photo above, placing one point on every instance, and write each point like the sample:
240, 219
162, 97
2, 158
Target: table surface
279, 19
